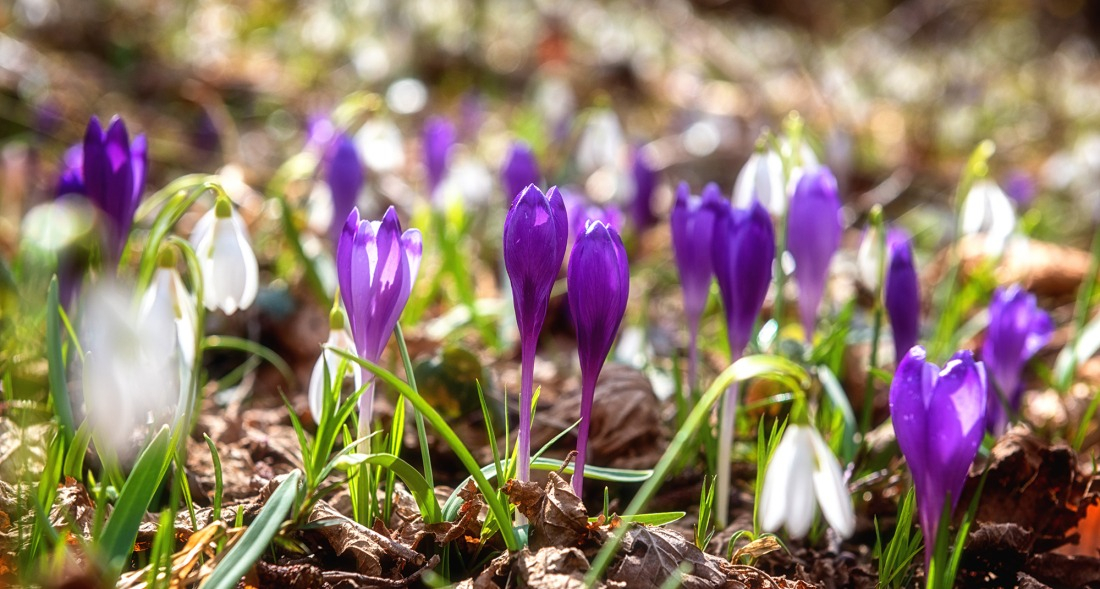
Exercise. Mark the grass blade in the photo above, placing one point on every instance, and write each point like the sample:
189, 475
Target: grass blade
117, 540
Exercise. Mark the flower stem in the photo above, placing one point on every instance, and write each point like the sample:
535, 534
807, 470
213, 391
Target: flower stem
526, 399
588, 391
726, 422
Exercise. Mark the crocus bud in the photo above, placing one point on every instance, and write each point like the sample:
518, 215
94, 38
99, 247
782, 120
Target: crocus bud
345, 180
802, 472
813, 236
439, 137
230, 274
901, 292
692, 225
761, 180
742, 250
939, 419
519, 170
1018, 328
328, 360
536, 231
645, 183
114, 175
598, 279
987, 211
376, 266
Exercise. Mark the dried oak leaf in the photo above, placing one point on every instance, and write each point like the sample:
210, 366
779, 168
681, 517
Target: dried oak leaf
72, 506
558, 518
1033, 485
552, 568
626, 427
1058, 570
467, 526
367, 547
294, 576
995, 553
650, 554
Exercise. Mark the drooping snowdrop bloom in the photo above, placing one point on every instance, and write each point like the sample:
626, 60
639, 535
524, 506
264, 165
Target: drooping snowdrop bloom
813, 236
692, 224
761, 180
328, 360
168, 295
645, 184
131, 365
987, 211
376, 265
111, 175
1018, 328
519, 170
939, 419
901, 293
230, 273
536, 232
439, 138
598, 280
802, 474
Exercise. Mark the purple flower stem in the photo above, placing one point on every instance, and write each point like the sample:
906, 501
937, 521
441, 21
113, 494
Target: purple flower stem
526, 401
588, 391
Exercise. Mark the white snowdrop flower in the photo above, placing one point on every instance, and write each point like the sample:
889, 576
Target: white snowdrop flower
229, 269
381, 146
602, 144
168, 296
467, 181
338, 338
130, 369
802, 472
761, 179
987, 210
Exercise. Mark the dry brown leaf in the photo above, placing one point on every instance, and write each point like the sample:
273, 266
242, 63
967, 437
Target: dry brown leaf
650, 554
552, 568
558, 518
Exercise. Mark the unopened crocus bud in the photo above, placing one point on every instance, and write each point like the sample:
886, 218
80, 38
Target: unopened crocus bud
536, 232
939, 419
804, 472
1018, 328
519, 170
439, 137
761, 179
345, 180
901, 292
645, 184
376, 266
813, 236
742, 250
114, 176
598, 280
230, 273
987, 211
329, 361
692, 224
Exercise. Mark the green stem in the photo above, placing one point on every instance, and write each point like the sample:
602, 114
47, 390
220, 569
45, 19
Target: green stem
425, 452
868, 409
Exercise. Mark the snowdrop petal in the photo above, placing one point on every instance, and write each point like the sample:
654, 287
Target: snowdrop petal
832, 492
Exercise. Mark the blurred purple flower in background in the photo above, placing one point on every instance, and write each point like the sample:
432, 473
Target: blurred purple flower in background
580, 210
813, 236
1018, 328
1021, 187
519, 170
901, 292
939, 419
345, 179
439, 137
113, 173
598, 279
645, 183
376, 265
692, 224
536, 232
71, 177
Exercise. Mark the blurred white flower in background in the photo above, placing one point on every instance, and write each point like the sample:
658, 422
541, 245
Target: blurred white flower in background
761, 179
988, 211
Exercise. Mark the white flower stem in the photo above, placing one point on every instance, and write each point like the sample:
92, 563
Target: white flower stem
726, 421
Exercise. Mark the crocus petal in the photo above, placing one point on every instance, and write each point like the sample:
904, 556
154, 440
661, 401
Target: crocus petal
598, 285
536, 231
911, 385
901, 297
743, 249
692, 223
1017, 330
439, 138
813, 236
344, 249
345, 180
519, 170
832, 493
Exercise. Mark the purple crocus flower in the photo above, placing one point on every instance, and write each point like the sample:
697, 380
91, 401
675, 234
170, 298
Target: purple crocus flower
345, 180
645, 182
536, 231
742, 250
813, 236
1020, 187
598, 279
519, 170
71, 177
1018, 328
439, 137
114, 175
901, 292
376, 265
692, 224
939, 419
